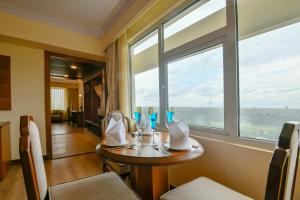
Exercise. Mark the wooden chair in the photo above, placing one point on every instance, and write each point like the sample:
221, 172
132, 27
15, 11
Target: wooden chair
104, 186
122, 169
280, 182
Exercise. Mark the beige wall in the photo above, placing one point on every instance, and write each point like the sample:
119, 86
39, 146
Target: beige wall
29, 30
64, 85
136, 8
241, 168
153, 14
73, 99
27, 90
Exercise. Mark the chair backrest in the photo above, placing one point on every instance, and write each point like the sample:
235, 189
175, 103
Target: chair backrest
284, 163
32, 160
115, 114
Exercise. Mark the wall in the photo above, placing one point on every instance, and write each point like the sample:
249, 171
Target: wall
63, 85
152, 15
27, 90
73, 99
29, 30
241, 168
136, 8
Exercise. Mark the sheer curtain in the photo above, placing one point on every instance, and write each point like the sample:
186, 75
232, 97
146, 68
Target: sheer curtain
58, 99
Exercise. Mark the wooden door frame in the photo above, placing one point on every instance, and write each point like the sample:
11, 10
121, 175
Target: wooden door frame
47, 55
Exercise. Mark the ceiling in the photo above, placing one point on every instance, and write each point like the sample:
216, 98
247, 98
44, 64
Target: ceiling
61, 66
91, 17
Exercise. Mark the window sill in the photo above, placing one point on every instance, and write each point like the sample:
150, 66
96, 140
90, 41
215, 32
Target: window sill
242, 142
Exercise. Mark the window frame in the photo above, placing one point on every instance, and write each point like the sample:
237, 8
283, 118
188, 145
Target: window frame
131, 76
228, 37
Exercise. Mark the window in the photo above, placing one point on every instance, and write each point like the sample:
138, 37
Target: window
58, 99
145, 75
269, 72
187, 79
195, 87
243, 86
198, 20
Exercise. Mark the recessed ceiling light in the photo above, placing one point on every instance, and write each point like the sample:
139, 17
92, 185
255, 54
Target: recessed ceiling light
66, 75
74, 67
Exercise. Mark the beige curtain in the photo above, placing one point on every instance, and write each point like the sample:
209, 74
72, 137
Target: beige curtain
117, 73
124, 85
112, 71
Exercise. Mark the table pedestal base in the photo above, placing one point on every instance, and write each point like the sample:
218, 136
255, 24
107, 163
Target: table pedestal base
149, 182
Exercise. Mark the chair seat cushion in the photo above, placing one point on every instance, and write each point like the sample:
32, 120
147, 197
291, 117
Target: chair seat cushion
106, 186
118, 167
203, 189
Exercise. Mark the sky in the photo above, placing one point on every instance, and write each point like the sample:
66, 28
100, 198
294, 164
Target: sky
269, 73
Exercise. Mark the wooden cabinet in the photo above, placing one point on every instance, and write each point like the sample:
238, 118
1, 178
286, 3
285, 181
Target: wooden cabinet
5, 87
5, 149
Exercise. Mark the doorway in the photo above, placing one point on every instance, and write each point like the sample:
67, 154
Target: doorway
71, 106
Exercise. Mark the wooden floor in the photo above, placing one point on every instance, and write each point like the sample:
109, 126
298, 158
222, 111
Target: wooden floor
68, 140
57, 170
58, 128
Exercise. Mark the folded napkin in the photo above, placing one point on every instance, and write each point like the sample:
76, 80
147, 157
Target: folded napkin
115, 133
179, 135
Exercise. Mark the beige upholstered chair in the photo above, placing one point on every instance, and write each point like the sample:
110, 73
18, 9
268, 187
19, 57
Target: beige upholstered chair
122, 169
280, 182
107, 186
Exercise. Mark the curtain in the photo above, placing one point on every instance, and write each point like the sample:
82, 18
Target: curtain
124, 92
117, 72
58, 99
112, 71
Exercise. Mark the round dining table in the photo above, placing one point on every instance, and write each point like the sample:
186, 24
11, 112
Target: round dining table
149, 163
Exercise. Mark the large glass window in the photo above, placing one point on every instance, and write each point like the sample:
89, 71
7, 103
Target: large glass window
269, 66
195, 87
201, 79
198, 20
145, 78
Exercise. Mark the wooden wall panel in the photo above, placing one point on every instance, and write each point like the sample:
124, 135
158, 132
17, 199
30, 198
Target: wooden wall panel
5, 85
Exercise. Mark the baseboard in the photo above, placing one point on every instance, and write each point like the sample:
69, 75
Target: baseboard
172, 187
15, 162
18, 161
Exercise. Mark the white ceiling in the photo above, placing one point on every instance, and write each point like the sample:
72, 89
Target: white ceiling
91, 17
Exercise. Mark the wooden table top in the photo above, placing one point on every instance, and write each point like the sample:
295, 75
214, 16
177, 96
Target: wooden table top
146, 154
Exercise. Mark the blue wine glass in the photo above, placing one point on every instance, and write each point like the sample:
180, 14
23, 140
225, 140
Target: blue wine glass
138, 119
169, 118
153, 121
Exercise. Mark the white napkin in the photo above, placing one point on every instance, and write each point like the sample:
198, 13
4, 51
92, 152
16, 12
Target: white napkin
115, 133
179, 135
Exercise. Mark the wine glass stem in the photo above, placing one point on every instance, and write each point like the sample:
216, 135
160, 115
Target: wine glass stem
153, 136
